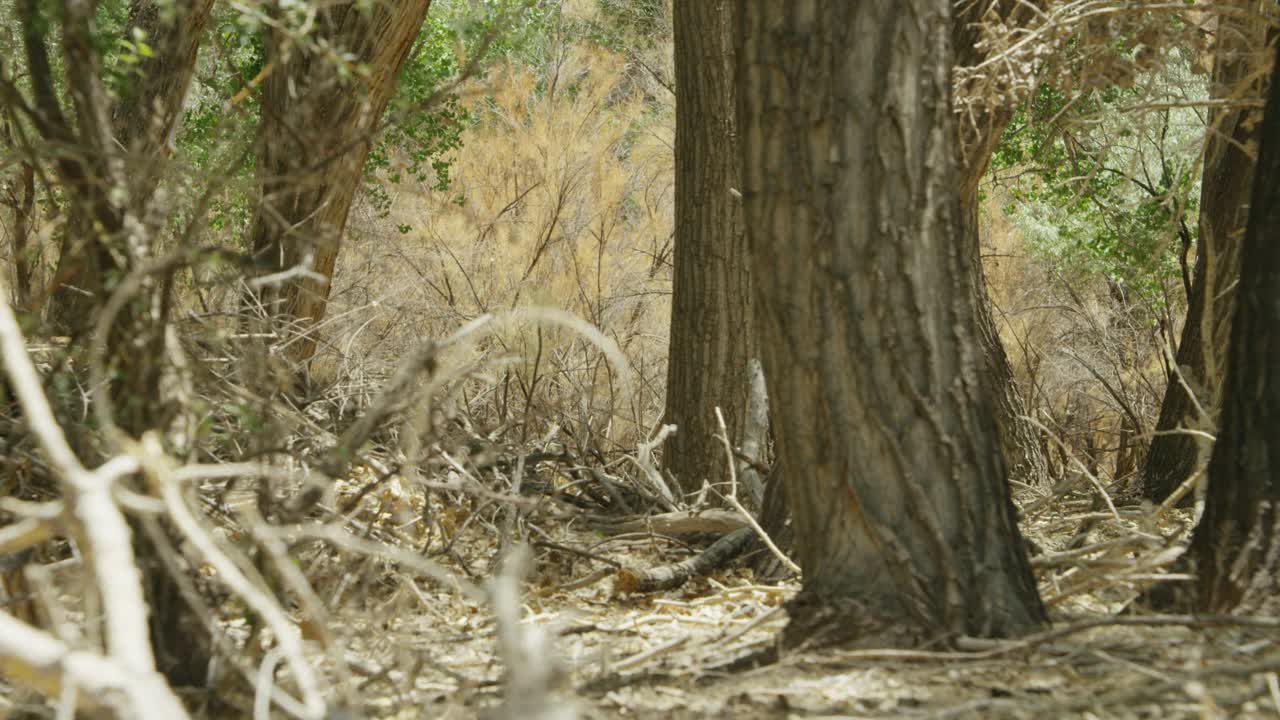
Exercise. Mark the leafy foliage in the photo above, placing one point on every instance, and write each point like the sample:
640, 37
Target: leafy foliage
426, 128
1101, 183
1107, 180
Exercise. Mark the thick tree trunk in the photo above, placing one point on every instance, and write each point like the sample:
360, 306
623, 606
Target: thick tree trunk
900, 504
317, 125
712, 336
979, 129
1238, 74
1236, 546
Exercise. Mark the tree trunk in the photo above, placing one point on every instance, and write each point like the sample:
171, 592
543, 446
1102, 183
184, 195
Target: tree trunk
1238, 74
979, 130
142, 123
96, 249
711, 324
898, 493
146, 120
317, 125
1236, 546
1017, 438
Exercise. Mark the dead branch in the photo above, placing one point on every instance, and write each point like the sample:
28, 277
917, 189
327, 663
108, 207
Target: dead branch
92, 518
668, 577
531, 670
678, 524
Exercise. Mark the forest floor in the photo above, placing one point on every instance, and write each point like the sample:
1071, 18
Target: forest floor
414, 647
663, 654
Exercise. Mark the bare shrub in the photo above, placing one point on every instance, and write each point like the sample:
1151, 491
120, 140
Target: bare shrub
562, 199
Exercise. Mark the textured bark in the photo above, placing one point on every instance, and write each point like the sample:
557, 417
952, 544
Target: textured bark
898, 493
313, 138
979, 129
142, 124
146, 120
1239, 73
1236, 546
711, 324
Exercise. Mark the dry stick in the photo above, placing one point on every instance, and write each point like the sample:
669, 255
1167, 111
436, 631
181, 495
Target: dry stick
312, 606
24, 534
222, 642
97, 521
266, 683
732, 498
411, 560
47, 664
1097, 485
1090, 579
646, 655
526, 650
158, 466
100, 529
644, 460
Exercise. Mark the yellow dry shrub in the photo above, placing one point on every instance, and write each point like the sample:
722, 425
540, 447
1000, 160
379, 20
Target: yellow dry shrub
560, 197
1083, 357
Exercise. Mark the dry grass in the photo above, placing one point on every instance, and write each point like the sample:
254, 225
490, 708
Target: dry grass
562, 199
1087, 355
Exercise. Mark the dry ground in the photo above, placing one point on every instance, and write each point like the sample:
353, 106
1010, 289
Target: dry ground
663, 655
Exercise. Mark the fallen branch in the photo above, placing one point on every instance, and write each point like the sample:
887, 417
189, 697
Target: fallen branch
676, 524
668, 577
733, 501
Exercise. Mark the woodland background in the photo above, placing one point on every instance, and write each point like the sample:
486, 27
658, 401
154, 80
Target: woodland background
409, 452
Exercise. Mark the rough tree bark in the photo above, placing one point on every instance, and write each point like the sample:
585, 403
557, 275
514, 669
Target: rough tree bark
1236, 546
979, 131
142, 124
711, 323
313, 138
900, 504
1239, 73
